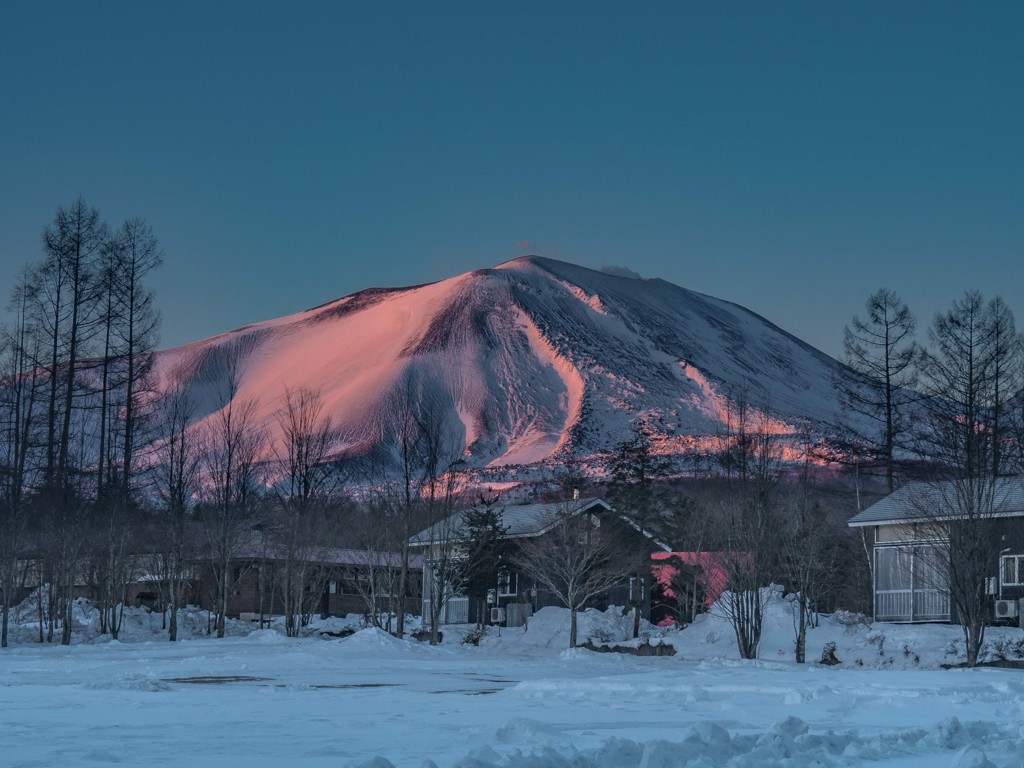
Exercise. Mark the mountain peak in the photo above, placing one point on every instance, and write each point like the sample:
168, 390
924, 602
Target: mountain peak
538, 360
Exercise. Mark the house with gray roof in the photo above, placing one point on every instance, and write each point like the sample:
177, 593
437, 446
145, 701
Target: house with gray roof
517, 594
909, 532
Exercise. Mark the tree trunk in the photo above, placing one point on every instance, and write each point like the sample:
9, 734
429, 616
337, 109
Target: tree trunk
65, 634
403, 584
223, 607
638, 604
801, 634
171, 610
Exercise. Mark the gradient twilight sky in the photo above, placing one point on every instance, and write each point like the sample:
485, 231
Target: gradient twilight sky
790, 157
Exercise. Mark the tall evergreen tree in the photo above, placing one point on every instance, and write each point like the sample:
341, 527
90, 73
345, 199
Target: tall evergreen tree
634, 468
487, 552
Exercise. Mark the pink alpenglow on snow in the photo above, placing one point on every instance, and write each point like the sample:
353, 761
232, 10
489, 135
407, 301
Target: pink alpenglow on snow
530, 361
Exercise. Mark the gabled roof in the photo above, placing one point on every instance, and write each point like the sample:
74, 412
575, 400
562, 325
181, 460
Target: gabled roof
924, 501
524, 521
521, 520
329, 556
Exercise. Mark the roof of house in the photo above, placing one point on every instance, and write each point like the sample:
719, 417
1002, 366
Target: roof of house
520, 520
330, 556
922, 501
523, 521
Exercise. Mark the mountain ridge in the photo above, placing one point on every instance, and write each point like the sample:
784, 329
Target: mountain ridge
530, 360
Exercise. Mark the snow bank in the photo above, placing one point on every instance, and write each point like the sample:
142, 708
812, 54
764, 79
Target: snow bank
373, 641
858, 644
789, 743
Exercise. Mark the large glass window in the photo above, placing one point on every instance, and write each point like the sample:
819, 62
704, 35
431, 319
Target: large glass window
911, 583
893, 567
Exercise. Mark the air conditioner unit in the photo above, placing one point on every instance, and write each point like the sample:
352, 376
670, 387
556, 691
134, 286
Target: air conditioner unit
1006, 609
497, 615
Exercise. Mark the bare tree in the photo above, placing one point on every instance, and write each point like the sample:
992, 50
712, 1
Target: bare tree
968, 372
176, 467
809, 544
231, 452
67, 292
746, 555
1004, 358
575, 559
443, 564
19, 399
748, 522
405, 493
881, 349
414, 480
302, 532
375, 576
91, 327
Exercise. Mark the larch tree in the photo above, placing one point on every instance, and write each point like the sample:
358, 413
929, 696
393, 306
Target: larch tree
231, 454
176, 471
308, 481
968, 373
19, 416
880, 349
67, 311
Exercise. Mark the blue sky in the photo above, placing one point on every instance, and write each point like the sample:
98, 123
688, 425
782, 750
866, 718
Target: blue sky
790, 157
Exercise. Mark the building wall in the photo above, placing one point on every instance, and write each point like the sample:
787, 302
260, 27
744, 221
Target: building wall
254, 592
529, 590
1008, 540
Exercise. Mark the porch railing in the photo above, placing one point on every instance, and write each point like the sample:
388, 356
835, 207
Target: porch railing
911, 605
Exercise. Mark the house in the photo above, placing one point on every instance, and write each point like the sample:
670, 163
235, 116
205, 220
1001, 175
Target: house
908, 533
517, 595
338, 581
347, 580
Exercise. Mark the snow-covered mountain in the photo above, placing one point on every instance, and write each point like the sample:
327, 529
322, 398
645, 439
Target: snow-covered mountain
531, 360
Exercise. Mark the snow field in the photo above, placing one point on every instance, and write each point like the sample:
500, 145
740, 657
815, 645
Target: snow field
520, 699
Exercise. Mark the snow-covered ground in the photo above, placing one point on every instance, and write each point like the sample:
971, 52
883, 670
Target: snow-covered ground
519, 699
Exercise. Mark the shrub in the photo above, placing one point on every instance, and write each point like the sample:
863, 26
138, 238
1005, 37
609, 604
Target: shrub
850, 620
828, 654
475, 635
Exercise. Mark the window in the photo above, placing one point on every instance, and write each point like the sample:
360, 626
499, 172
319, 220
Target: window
911, 583
508, 583
1013, 570
349, 582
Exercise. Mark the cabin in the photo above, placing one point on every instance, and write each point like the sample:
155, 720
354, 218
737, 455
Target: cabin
517, 594
346, 580
908, 533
